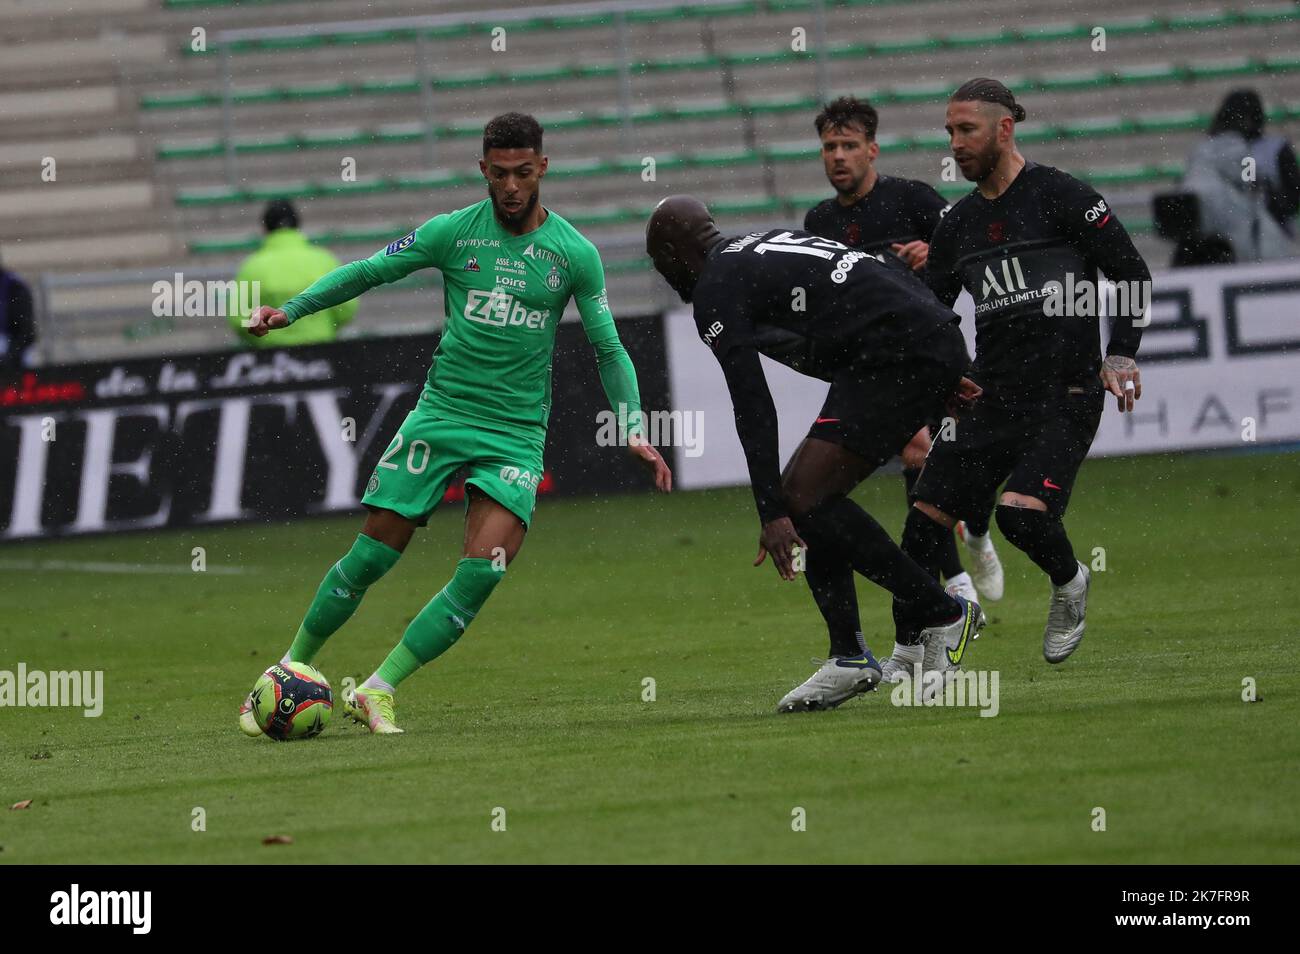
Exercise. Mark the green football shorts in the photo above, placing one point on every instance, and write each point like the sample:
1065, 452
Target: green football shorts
427, 451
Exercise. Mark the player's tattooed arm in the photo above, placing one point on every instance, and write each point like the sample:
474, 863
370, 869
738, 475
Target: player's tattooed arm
1121, 377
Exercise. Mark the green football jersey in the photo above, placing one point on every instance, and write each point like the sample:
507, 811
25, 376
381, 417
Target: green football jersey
504, 296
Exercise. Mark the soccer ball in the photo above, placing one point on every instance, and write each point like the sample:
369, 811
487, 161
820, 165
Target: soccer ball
292, 701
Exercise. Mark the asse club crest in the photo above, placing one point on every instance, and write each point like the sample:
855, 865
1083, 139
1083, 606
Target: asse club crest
553, 279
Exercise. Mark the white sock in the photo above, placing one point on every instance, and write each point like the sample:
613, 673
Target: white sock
374, 682
976, 542
1076, 584
911, 655
961, 579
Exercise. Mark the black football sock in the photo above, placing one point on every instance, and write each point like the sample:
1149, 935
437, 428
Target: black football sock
840, 523
949, 561
923, 541
979, 525
830, 577
1042, 538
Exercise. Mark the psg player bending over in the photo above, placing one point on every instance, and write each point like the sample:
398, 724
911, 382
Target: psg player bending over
878, 213
894, 357
1024, 230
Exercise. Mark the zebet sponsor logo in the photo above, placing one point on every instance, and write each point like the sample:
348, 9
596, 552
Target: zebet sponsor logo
500, 308
74, 907
75, 689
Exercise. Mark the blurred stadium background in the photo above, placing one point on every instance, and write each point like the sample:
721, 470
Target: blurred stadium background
166, 153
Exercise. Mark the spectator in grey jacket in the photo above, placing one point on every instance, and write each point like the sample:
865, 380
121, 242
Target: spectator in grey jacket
1247, 181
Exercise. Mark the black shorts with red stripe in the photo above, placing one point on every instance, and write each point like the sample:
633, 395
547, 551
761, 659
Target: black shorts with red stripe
873, 410
1032, 451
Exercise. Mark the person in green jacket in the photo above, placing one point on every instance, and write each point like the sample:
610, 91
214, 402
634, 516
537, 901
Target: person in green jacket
285, 265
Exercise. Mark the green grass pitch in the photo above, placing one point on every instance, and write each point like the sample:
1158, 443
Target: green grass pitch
539, 709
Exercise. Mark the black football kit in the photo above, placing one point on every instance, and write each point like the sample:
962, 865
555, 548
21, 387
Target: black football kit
893, 354
895, 212
1042, 398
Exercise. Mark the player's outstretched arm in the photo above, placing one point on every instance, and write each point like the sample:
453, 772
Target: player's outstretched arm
756, 425
265, 319
422, 248
617, 374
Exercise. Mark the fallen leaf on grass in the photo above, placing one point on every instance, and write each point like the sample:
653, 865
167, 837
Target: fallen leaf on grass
278, 840
25, 803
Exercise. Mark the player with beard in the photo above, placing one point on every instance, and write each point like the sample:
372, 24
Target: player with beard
509, 267
879, 213
894, 357
1027, 231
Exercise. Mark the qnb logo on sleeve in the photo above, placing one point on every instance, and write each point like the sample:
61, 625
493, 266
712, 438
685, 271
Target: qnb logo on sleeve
500, 308
1098, 215
711, 333
75, 906
402, 243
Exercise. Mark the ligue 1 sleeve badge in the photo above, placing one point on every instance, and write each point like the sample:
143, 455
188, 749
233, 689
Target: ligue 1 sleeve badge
400, 244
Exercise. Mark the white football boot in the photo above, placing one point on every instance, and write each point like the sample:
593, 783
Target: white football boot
837, 680
1065, 617
247, 724
982, 563
899, 667
946, 645
962, 585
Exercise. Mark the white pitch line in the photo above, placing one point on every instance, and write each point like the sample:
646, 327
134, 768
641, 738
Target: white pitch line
86, 566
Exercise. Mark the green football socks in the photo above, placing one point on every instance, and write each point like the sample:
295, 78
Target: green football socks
443, 619
340, 594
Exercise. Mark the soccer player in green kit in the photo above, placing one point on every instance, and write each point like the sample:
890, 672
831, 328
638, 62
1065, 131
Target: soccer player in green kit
509, 267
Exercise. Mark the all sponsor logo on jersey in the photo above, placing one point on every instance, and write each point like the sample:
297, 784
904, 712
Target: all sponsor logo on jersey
546, 255
500, 308
1007, 286
1013, 278
472, 264
402, 243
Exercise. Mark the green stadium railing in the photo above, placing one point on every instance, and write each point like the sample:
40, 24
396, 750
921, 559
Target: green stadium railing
191, 4
753, 58
541, 22
1030, 133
